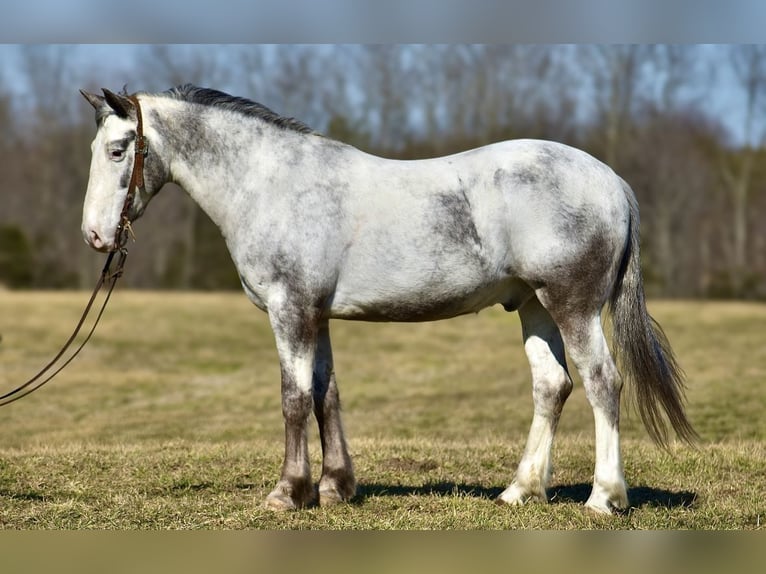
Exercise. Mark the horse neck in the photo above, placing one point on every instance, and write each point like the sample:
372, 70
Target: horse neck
221, 159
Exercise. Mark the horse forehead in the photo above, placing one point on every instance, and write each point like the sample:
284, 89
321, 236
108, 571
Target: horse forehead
114, 127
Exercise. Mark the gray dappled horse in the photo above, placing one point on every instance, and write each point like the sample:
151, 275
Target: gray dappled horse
319, 230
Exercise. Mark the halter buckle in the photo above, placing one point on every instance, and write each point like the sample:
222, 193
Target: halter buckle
142, 146
126, 226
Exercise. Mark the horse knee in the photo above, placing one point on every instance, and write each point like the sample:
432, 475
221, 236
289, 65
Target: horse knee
551, 392
325, 393
296, 406
603, 387
559, 386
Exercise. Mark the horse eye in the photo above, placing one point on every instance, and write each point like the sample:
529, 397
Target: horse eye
116, 154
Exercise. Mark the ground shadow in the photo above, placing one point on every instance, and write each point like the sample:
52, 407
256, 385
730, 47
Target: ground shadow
640, 497
31, 495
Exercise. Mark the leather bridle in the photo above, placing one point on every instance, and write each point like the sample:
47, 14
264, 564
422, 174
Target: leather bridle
136, 180
108, 276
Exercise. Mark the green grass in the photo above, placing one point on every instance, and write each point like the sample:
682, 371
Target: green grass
171, 419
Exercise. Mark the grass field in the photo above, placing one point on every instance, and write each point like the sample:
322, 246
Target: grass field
171, 419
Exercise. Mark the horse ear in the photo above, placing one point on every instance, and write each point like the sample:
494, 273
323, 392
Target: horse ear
97, 102
122, 106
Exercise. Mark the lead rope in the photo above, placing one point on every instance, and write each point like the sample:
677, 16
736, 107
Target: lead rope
107, 275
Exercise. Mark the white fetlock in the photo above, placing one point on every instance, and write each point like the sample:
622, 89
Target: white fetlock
516, 495
607, 499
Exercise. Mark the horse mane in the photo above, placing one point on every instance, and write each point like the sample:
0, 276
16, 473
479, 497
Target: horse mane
214, 98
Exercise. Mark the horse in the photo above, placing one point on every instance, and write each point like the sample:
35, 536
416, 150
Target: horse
320, 230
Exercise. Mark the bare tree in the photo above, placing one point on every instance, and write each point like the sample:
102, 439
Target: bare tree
749, 66
174, 222
615, 73
673, 169
56, 174
644, 109
468, 95
386, 81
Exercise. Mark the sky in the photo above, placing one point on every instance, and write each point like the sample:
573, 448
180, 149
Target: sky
110, 62
385, 21
376, 21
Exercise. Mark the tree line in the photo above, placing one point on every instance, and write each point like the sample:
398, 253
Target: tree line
648, 111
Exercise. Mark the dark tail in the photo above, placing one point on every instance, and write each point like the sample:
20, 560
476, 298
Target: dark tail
642, 350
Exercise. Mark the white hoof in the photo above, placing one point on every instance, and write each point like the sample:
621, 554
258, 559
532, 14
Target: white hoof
516, 495
608, 500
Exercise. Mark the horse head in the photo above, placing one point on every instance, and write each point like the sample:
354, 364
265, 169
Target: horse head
113, 163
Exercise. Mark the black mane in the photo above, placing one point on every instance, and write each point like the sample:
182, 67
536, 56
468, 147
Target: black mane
210, 97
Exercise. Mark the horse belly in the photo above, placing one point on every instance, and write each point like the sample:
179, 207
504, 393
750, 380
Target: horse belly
430, 303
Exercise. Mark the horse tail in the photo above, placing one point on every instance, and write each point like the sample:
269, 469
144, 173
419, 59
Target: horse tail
642, 349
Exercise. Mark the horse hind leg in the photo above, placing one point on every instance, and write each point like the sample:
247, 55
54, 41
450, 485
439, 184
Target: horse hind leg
551, 385
337, 483
584, 337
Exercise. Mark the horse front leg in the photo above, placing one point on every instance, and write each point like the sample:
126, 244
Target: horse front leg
295, 331
337, 483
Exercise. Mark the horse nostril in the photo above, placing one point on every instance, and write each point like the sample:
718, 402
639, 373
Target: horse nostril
95, 240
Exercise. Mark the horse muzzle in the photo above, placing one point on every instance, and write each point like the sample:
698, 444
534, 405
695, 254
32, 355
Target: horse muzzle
97, 240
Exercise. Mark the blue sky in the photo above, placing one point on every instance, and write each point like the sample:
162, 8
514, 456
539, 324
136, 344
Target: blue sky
112, 63
385, 21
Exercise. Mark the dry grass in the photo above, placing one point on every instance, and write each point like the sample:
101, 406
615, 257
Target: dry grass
171, 419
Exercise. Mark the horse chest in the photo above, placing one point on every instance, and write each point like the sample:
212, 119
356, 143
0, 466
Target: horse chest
256, 292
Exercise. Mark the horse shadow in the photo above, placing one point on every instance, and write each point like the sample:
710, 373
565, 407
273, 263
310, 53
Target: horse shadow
640, 496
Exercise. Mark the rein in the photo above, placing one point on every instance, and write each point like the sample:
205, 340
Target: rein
108, 275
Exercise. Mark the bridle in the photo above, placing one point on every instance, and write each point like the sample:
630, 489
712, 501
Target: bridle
136, 181
108, 276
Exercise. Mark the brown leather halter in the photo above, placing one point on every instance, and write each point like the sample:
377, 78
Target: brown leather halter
122, 233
